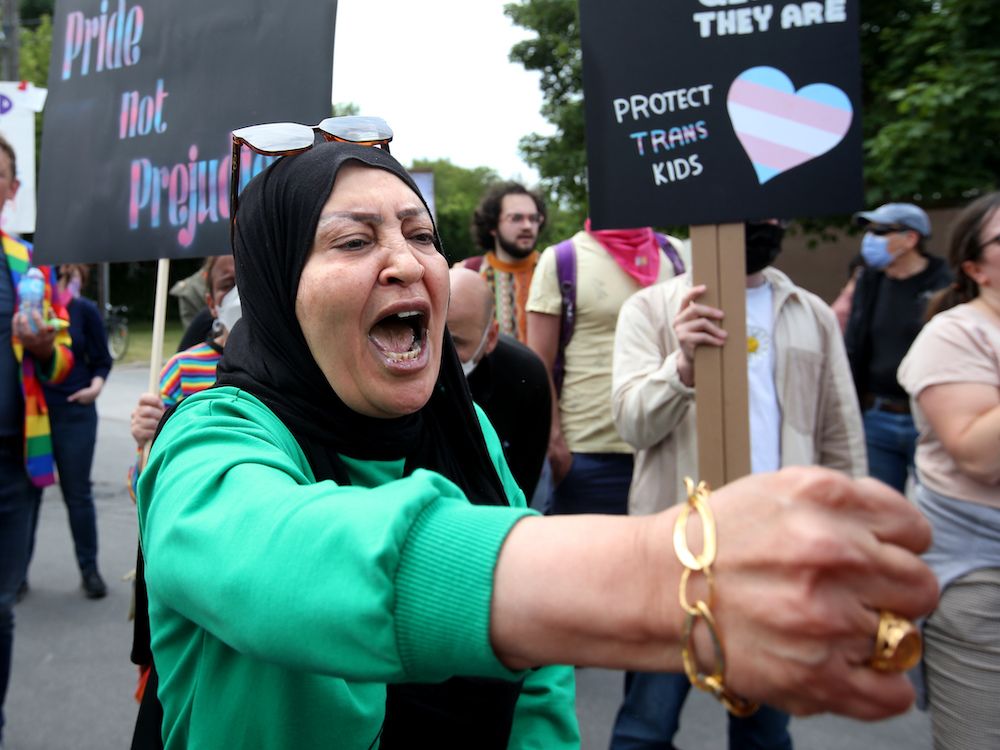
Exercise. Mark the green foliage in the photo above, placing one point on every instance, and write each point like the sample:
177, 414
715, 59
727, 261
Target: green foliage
33, 61
36, 49
931, 101
344, 109
456, 192
561, 159
931, 104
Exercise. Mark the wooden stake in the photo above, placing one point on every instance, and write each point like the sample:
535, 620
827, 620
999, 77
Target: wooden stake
717, 255
159, 324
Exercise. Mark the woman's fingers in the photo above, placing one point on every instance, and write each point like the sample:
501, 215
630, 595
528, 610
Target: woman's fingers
807, 560
892, 517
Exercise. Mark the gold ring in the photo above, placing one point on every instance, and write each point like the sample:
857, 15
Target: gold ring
898, 645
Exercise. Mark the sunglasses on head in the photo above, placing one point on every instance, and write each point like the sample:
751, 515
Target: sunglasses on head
882, 231
289, 138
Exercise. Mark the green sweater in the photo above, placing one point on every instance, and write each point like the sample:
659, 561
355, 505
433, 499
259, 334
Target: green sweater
281, 606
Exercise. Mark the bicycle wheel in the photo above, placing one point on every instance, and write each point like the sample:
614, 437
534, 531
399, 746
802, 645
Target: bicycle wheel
118, 340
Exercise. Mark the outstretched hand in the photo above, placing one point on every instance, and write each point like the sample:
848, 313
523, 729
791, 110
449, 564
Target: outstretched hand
807, 559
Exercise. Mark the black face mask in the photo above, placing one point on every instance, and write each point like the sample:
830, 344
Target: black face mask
763, 243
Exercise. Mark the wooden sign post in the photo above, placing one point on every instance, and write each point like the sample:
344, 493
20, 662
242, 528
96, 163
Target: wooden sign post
717, 259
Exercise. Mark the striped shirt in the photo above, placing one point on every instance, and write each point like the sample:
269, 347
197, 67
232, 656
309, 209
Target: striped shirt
187, 372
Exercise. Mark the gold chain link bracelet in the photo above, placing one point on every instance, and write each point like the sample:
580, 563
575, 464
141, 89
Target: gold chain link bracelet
713, 683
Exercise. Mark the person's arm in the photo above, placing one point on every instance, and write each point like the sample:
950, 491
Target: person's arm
543, 339
48, 345
841, 438
857, 323
438, 587
806, 559
98, 358
648, 399
966, 419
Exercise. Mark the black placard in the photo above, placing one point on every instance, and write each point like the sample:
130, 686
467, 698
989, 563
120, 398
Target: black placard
714, 111
135, 160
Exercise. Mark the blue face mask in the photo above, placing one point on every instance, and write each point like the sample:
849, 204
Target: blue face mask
875, 251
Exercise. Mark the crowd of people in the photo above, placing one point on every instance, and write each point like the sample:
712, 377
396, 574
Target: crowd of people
395, 502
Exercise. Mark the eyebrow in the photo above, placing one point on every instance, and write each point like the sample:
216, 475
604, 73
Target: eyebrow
358, 216
369, 218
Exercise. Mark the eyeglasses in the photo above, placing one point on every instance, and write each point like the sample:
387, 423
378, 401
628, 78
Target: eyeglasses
882, 231
519, 218
290, 138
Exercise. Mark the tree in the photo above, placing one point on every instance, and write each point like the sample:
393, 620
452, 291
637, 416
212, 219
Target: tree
456, 193
561, 159
930, 103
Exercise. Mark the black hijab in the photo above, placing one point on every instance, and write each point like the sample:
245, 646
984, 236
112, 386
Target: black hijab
267, 355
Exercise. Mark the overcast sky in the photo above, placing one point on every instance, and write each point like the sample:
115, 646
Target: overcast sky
437, 71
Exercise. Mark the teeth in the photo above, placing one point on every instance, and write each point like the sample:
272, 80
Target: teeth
405, 356
408, 314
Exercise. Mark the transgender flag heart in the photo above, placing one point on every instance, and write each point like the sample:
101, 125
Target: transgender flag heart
780, 127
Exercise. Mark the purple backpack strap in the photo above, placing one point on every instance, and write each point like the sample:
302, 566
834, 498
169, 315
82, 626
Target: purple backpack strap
671, 252
566, 274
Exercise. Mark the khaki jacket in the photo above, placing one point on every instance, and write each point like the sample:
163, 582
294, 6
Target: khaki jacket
655, 412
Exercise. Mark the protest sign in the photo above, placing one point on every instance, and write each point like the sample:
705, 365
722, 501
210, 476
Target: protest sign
135, 160
715, 111
19, 101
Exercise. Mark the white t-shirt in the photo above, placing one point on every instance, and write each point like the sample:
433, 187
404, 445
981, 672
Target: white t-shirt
765, 412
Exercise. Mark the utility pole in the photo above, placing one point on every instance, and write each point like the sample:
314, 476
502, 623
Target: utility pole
10, 40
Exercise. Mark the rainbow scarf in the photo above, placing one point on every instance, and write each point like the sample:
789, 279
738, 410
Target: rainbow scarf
37, 431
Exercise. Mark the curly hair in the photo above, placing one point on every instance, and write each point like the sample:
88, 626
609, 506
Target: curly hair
487, 215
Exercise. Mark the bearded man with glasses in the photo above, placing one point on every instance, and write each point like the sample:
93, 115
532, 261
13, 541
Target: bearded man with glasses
887, 313
506, 225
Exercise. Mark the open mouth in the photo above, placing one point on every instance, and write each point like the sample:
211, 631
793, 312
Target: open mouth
400, 337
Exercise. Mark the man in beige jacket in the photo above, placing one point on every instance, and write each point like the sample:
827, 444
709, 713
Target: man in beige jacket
803, 410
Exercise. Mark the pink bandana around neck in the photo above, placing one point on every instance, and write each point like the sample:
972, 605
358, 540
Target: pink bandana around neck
635, 250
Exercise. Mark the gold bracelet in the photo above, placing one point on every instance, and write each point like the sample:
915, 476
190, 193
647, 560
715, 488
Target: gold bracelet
713, 683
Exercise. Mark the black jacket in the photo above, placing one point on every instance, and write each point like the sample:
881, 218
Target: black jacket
858, 338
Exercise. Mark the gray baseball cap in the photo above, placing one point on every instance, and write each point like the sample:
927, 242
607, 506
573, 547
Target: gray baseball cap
897, 214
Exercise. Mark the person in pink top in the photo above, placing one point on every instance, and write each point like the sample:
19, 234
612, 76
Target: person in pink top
952, 373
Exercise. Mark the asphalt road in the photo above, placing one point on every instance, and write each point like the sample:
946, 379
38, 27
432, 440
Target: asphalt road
72, 681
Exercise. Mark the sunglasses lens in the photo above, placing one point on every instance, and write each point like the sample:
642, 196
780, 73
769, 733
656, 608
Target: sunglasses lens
276, 137
355, 129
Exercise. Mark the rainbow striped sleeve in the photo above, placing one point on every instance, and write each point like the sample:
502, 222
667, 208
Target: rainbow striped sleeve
188, 372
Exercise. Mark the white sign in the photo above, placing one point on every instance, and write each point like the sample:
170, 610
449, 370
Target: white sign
19, 101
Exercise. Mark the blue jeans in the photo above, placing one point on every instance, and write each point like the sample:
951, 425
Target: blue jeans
651, 713
74, 435
17, 502
596, 483
891, 440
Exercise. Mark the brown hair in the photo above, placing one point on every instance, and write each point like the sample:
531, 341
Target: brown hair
66, 269
207, 270
487, 214
9, 150
964, 244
